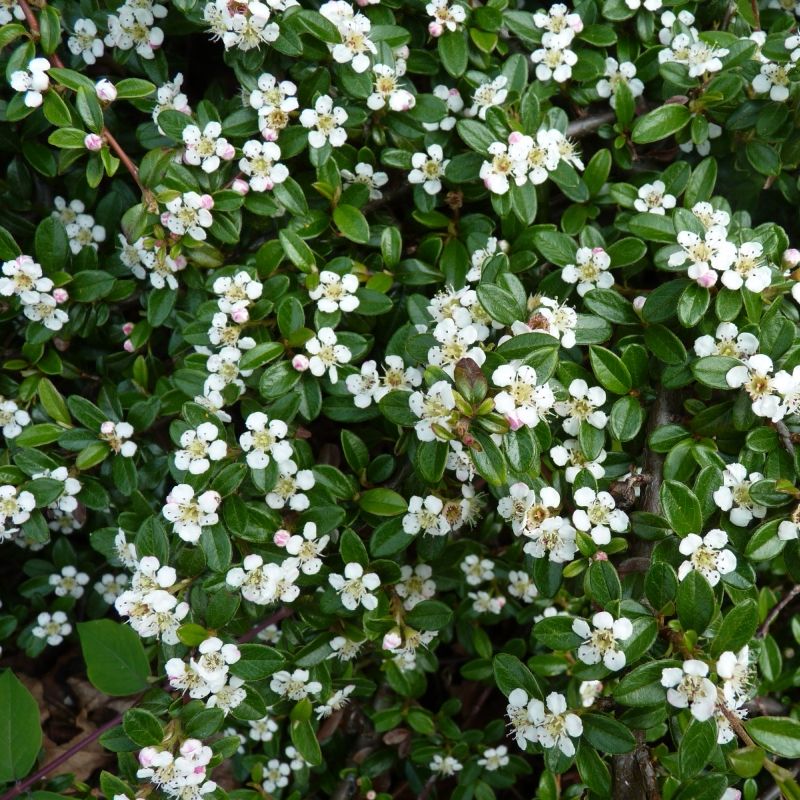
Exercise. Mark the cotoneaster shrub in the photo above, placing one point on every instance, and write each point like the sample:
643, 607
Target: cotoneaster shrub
399, 400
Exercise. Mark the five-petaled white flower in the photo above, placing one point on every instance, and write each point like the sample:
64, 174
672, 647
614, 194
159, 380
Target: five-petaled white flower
33, 81
356, 587
428, 169
654, 199
259, 164
553, 725
582, 405
199, 447
598, 515
734, 495
206, 148
590, 270
325, 123
688, 687
707, 555
326, 354
601, 644
264, 439
521, 401
335, 292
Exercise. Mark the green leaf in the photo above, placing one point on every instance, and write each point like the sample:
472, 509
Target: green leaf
660, 123
53, 402
500, 304
610, 370
607, 734
115, 659
454, 52
556, 633
52, 245
142, 727
258, 662
602, 583
429, 615
681, 508
134, 88
642, 687
693, 305
610, 305
383, 502
430, 460
304, 739
696, 604
593, 770
711, 370
510, 673
488, 460
779, 735
664, 344
352, 223
20, 731
296, 250
261, 354
626, 418
696, 747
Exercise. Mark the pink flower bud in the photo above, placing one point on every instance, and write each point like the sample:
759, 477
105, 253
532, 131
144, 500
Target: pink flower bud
435, 29
269, 134
127, 346
515, 423
597, 250
165, 218
206, 201
127, 328
93, 142
62, 346
228, 153
402, 52
515, 137
240, 187
146, 756
601, 555
791, 258
392, 640
191, 746
638, 302
107, 427
576, 23
60, 296
106, 91
300, 363
707, 279
501, 601
240, 315
281, 537
180, 262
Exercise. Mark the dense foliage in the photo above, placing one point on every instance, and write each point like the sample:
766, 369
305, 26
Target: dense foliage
399, 399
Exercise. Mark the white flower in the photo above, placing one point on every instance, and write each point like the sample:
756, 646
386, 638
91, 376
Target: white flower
445, 16
653, 198
518, 718
274, 101
264, 439
52, 627
589, 692
344, 649
356, 47
590, 270
82, 232
206, 148
737, 674
494, 758
12, 418
69, 582
365, 174
10, 10
244, 26
307, 549
734, 495
521, 586
33, 81
355, 587
477, 570
570, 456
336, 702
415, 585
492, 93
189, 515
445, 765
555, 537
326, 120
711, 217
600, 517
454, 344
727, 341
582, 405
290, 487
41, 307
223, 369
189, 214
616, 75
335, 292
388, 91
532, 157
85, 42
748, 269
755, 377
688, 687
263, 730
364, 385
110, 587
527, 509
428, 169
326, 354
650, 5
425, 515
557, 319
601, 644
199, 447
23, 277
259, 164
484, 603
557, 20
133, 28
276, 775
294, 685
711, 251
554, 60
774, 78
707, 555
521, 402
788, 386
433, 408
454, 103
554, 726
237, 292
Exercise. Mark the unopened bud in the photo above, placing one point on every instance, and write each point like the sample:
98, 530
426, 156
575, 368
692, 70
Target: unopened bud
515, 423
240, 315
791, 258
107, 427
600, 555
206, 201
105, 91
638, 303
392, 640
281, 538
60, 295
229, 152
127, 346
300, 363
435, 29
127, 328
93, 142
707, 279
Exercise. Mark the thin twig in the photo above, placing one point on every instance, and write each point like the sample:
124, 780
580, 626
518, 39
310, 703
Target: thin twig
786, 436
426, 789
773, 614
735, 723
756, 14
586, 126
